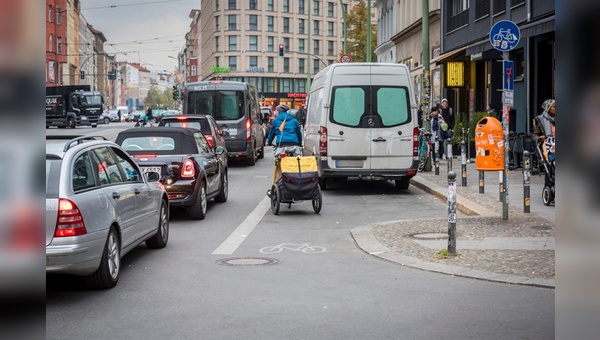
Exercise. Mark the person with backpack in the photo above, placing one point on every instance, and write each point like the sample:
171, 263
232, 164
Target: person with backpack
286, 132
301, 115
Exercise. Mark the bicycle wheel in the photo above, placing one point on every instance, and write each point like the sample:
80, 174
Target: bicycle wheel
317, 203
422, 157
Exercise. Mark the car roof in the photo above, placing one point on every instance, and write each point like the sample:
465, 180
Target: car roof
181, 136
59, 145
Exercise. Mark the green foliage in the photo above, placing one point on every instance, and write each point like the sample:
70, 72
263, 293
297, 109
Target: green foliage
155, 98
356, 22
444, 254
477, 116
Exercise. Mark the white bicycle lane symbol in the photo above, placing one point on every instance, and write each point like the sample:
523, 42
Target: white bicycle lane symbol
303, 247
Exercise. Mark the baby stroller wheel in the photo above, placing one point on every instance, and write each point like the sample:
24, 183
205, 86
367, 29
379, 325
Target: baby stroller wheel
547, 195
275, 200
316, 203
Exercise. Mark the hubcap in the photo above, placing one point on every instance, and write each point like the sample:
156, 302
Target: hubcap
113, 256
164, 223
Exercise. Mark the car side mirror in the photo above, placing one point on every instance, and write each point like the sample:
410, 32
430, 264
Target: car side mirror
152, 176
219, 150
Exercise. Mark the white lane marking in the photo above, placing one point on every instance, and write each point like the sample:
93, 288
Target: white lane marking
238, 236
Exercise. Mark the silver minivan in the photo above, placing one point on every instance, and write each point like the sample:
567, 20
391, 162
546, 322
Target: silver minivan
361, 123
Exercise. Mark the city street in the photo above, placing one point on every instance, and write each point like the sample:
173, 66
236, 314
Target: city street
244, 273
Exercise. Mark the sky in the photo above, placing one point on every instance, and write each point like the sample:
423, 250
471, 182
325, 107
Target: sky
142, 31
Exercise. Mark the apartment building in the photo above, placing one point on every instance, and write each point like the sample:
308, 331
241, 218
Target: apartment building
240, 41
56, 33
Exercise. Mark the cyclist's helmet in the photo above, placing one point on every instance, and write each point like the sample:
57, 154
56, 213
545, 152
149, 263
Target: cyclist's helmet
282, 108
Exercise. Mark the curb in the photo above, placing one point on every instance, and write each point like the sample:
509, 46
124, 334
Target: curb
364, 238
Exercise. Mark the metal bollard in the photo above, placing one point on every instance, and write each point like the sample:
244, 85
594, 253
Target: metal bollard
463, 161
481, 182
500, 187
437, 157
452, 212
449, 153
468, 148
526, 182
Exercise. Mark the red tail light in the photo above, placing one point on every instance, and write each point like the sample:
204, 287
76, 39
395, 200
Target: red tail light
416, 142
210, 140
144, 156
70, 221
323, 141
188, 170
248, 130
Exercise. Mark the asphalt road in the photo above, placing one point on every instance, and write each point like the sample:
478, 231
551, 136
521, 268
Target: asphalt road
319, 286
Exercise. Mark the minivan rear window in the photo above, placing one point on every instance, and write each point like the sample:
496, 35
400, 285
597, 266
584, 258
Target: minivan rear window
221, 104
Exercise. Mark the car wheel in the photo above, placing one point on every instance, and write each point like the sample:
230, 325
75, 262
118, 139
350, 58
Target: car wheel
198, 210
94, 125
252, 158
402, 184
162, 236
71, 123
106, 120
224, 193
107, 275
261, 154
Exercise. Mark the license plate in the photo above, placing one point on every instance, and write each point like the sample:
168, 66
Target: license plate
83, 117
147, 169
232, 132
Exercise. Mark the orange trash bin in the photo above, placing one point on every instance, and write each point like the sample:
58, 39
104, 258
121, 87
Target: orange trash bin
489, 145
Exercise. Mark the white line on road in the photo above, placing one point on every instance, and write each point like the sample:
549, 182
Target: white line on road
244, 229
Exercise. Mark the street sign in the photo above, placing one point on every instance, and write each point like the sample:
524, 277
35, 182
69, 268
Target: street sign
508, 98
345, 58
508, 75
505, 35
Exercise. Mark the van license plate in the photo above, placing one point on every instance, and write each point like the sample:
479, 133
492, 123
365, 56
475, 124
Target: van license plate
147, 169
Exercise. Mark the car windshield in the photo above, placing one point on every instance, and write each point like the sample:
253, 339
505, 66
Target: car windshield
148, 143
222, 105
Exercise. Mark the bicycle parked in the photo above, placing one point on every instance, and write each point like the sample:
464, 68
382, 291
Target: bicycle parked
424, 139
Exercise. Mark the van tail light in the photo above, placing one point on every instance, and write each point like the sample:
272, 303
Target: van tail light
323, 141
70, 221
211, 140
416, 142
188, 170
248, 130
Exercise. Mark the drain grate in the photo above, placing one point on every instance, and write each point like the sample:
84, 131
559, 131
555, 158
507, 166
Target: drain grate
247, 261
541, 227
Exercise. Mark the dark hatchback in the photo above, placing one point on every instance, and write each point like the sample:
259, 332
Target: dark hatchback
205, 123
190, 169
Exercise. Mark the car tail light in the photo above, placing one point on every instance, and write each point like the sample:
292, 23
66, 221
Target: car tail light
248, 130
323, 141
181, 118
70, 221
416, 142
211, 141
188, 170
144, 156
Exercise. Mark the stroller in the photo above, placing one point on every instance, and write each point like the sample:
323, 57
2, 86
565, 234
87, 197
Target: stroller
295, 179
546, 152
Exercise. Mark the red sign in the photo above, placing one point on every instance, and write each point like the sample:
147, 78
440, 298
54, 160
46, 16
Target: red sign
297, 95
345, 58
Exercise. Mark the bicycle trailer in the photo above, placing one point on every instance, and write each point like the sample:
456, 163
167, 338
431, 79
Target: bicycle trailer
295, 179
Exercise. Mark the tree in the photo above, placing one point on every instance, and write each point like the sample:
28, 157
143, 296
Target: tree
155, 97
356, 23
168, 93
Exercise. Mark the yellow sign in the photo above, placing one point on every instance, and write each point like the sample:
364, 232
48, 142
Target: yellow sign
455, 74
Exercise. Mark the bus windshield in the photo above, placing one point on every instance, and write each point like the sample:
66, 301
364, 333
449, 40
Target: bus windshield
221, 104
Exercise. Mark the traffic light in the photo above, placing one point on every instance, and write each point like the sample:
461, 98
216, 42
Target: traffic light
281, 50
175, 92
82, 74
112, 75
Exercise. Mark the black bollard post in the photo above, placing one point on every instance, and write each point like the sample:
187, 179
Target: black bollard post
449, 155
468, 148
463, 161
436, 149
452, 212
481, 182
500, 187
526, 182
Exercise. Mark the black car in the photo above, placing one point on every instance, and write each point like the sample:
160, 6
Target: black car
190, 169
205, 123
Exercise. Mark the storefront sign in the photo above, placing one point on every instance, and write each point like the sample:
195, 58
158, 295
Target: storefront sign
256, 69
455, 72
297, 95
221, 69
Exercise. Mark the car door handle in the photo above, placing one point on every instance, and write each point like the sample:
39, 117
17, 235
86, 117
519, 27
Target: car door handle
379, 139
116, 195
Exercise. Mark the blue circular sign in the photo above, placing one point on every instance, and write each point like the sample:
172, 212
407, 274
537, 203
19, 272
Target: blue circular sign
505, 35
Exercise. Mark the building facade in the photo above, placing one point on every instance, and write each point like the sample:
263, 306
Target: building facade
56, 34
240, 41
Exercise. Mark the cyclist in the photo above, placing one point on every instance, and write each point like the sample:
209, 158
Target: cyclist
287, 133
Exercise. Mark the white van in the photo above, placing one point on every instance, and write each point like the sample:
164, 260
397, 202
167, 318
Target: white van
362, 123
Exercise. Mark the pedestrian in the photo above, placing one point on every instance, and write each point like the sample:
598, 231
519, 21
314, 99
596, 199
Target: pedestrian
149, 117
119, 114
301, 115
543, 125
436, 130
286, 132
449, 117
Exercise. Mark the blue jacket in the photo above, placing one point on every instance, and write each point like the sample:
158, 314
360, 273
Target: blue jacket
291, 134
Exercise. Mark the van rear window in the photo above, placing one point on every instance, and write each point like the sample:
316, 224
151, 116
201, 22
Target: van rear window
221, 104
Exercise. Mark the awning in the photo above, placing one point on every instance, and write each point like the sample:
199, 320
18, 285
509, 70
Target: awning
479, 47
446, 56
537, 28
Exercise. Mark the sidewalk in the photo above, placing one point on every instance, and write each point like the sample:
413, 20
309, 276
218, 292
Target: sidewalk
519, 250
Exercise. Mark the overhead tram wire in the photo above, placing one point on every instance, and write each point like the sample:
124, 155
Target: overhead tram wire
129, 5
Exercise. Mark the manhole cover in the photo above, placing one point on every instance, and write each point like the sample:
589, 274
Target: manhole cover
541, 227
430, 236
247, 261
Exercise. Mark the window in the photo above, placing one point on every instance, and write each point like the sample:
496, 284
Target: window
253, 46
83, 173
131, 171
108, 170
59, 45
286, 85
286, 65
482, 8
270, 5
253, 60
286, 43
301, 26
50, 15
203, 146
270, 62
316, 9
317, 24
253, 4
270, 20
514, 3
459, 6
270, 85
217, 61
301, 63
300, 6
221, 104
350, 103
330, 48
50, 42
392, 105
330, 28
316, 66
270, 44
330, 62
58, 16
217, 47
232, 4
233, 63
217, 23
217, 5
330, 9
232, 22
233, 43
499, 7
301, 45
193, 70
253, 19
286, 6
286, 25
316, 47
300, 85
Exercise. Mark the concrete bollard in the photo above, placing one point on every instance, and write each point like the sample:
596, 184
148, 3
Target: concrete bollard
463, 161
452, 212
526, 182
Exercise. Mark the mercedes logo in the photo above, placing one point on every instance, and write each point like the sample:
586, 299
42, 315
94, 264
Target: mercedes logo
370, 122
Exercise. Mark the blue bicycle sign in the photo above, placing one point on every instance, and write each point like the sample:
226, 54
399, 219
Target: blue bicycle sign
505, 35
